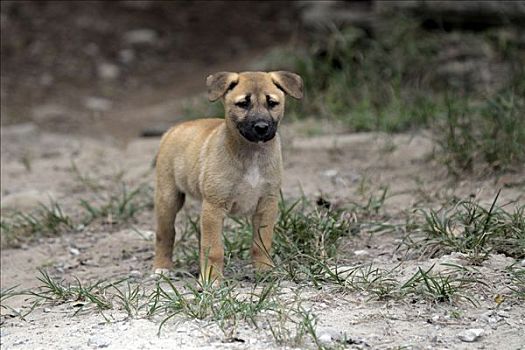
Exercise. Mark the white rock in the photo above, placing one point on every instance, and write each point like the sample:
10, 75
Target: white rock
98, 104
135, 273
471, 335
325, 338
140, 36
328, 335
108, 71
330, 173
360, 253
99, 341
74, 251
522, 263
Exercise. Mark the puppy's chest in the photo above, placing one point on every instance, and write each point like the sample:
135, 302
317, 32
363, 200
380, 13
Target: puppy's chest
253, 184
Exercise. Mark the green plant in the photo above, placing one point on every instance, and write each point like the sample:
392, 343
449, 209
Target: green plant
58, 291
46, 220
441, 286
119, 207
491, 135
517, 280
224, 304
468, 227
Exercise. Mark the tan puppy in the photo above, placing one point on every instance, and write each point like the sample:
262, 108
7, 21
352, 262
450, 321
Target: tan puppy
233, 165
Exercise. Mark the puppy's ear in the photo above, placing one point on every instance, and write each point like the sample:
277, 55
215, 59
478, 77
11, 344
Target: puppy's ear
219, 83
290, 83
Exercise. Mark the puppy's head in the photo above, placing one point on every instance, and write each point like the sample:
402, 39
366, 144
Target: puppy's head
254, 101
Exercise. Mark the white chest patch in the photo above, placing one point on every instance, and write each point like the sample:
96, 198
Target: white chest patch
253, 176
248, 191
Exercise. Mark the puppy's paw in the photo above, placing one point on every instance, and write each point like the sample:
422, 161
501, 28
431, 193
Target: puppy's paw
263, 265
159, 272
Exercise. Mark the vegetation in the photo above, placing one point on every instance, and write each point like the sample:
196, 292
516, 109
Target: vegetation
392, 82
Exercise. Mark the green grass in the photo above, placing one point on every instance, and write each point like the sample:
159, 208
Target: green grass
517, 280
83, 296
47, 220
455, 283
470, 228
369, 83
105, 206
487, 137
391, 82
121, 206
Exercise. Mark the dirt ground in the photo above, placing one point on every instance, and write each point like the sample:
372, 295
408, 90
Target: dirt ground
335, 165
90, 119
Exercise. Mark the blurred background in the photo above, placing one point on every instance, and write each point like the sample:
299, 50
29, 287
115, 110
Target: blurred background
120, 69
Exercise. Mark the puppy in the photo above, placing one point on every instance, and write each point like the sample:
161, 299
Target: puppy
233, 165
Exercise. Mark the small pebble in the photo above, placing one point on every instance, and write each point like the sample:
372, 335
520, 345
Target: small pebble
74, 251
328, 335
471, 335
135, 273
360, 253
99, 341
330, 173
325, 338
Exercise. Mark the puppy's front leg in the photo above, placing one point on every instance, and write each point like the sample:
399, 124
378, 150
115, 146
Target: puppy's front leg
263, 223
211, 247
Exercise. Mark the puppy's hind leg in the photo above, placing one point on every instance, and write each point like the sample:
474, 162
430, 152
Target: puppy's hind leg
168, 202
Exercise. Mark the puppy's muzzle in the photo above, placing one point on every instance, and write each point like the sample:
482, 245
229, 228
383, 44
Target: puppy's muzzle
258, 130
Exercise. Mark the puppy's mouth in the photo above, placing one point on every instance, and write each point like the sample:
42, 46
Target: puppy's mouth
259, 130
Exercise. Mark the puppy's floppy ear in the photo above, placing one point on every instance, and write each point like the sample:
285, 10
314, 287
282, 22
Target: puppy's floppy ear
219, 83
290, 83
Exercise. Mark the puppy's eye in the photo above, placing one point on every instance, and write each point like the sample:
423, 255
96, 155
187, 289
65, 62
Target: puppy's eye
272, 103
243, 103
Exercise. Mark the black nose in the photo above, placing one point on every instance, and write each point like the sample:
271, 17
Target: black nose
261, 127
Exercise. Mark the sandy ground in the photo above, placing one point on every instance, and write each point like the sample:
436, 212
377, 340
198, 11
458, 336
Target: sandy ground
340, 167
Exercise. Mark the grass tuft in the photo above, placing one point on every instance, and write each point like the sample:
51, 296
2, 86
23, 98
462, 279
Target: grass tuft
45, 221
468, 227
119, 207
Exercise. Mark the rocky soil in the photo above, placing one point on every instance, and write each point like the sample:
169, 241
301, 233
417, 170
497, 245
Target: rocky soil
333, 165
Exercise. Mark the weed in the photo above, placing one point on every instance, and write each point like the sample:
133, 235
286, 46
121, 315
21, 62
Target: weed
468, 227
517, 280
304, 231
121, 206
46, 220
223, 304
58, 291
489, 136
373, 280
131, 298
441, 286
